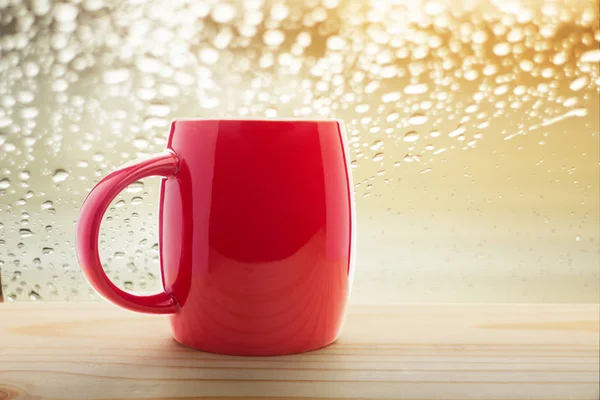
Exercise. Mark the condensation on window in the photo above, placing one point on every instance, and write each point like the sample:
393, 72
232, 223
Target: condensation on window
473, 129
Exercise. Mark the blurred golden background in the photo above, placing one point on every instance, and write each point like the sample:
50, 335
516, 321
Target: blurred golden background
473, 127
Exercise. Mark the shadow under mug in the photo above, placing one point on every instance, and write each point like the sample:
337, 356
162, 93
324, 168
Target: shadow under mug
255, 234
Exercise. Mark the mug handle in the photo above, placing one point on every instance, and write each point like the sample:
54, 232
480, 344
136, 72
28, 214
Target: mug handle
88, 229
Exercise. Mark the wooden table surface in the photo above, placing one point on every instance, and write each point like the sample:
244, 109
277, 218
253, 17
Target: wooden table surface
97, 351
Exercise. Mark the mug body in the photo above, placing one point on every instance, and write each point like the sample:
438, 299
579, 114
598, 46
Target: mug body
255, 234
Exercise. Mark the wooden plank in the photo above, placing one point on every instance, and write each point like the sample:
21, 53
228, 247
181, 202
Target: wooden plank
97, 351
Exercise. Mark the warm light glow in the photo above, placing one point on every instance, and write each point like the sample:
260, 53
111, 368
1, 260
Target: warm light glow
473, 127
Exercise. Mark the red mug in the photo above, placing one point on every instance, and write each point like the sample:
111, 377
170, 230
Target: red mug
255, 234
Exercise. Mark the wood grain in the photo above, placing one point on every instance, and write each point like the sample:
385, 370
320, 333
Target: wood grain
97, 351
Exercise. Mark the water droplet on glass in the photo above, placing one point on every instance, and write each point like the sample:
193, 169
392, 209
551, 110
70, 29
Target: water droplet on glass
416, 88
9, 147
98, 157
560, 58
391, 97
378, 157
25, 232
500, 90
579, 83
65, 12
118, 255
135, 187
47, 250
393, 116
570, 102
336, 43
47, 205
93, 5
417, 119
434, 7
29, 112
60, 175
136, 201
304, 39
591, 56
223, 13
273, 37
471, 75
31, 69
140, 142
279, 12
128, 285
426, 170
24, 175
457, 132
34, 296
115, 76
377, 145
501, 49
25, 97
4, 122
208, 55
4, 183
362, 108
411, 136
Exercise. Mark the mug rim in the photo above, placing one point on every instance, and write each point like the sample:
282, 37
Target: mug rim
256, 119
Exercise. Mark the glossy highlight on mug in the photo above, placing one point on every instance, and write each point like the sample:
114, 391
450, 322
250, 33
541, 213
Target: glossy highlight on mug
255, 234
